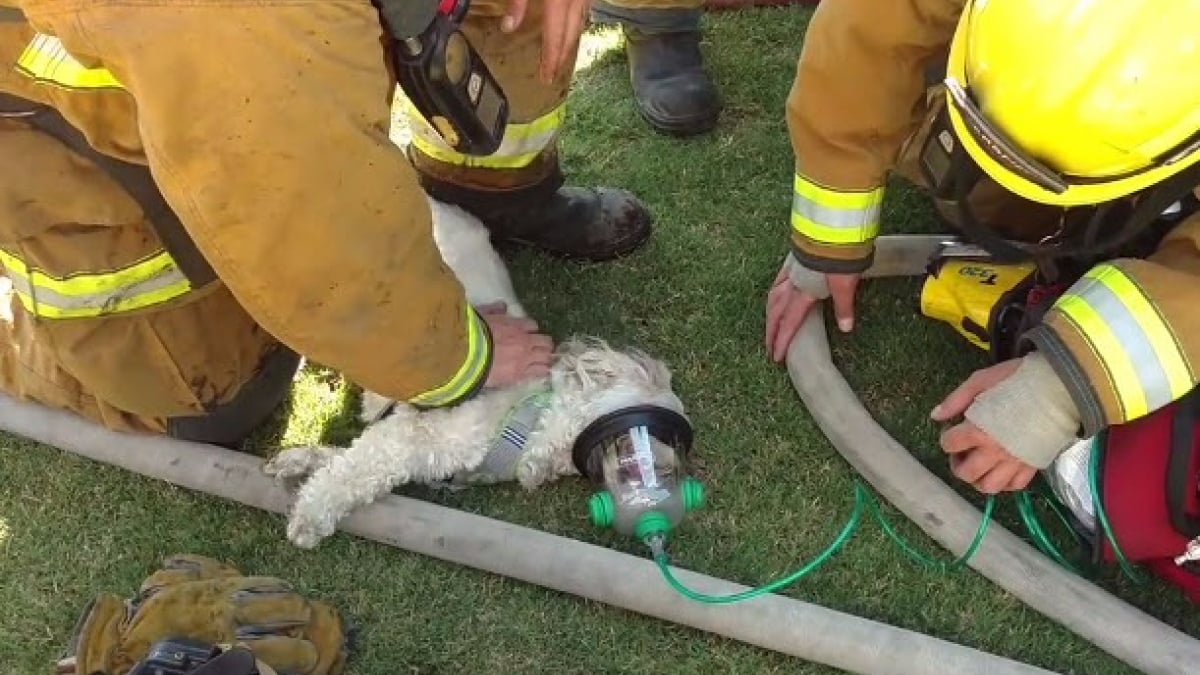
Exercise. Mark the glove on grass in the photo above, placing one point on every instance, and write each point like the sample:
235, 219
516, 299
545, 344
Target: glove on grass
202, 599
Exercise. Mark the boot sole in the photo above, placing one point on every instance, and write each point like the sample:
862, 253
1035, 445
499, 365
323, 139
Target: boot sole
693, 127
613, 254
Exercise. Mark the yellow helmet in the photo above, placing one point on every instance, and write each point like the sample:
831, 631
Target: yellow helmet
1077, 102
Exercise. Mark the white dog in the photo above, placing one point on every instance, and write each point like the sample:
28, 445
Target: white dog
524, 433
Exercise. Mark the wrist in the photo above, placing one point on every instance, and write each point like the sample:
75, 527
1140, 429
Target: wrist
1030, 414
806, 279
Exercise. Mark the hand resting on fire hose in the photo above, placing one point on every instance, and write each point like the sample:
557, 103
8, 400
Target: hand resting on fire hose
200, 599
1005, 422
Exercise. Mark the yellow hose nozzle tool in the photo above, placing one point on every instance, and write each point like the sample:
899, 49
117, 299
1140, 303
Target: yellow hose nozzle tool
970, 294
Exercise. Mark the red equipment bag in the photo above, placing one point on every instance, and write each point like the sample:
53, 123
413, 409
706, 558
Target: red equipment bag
1149, 490
1149, 475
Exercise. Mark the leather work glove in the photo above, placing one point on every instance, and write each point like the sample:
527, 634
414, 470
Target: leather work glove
202, 599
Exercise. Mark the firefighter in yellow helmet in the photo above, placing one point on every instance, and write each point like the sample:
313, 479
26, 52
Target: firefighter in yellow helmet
191, 195
1061, 132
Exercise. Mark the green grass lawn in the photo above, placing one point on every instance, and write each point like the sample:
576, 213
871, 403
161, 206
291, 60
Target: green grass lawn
694, 296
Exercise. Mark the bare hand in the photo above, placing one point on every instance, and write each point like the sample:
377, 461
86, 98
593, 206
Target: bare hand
974, 456
787, 307
519, 352
563, 23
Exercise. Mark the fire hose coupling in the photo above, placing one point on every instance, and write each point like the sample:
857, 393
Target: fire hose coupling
443, 75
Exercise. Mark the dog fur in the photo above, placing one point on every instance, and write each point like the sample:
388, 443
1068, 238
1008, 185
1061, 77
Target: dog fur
588, 379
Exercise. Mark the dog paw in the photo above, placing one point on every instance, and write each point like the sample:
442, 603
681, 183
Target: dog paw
295, 463
307, 533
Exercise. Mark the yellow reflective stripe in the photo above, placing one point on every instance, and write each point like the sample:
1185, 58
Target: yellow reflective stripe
149, 282
478, 351
833, 216
521, 145
1131, 339
46, 59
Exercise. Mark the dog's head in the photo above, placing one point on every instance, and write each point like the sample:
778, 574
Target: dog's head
588, 380
597, 378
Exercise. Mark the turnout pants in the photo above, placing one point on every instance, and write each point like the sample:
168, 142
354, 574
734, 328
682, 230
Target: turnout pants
179, 370
200, 369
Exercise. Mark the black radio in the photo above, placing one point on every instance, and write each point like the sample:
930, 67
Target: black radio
442, 74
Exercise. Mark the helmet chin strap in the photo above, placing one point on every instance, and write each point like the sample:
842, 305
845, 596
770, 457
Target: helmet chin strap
1111, 225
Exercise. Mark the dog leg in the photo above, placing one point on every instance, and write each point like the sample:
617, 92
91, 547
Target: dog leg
466, 246
296, 463
392, 452
373, 407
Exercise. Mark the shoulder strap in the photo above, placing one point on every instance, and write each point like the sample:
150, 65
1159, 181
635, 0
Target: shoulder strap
135, 178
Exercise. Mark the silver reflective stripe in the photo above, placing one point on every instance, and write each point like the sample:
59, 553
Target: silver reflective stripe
532, 144
842, 219
1138, 348
513, 147
102, 302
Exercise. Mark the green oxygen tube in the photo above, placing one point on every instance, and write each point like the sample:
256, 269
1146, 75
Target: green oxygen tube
636, 457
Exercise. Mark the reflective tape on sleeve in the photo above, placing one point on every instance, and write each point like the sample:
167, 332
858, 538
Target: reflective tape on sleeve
522, 143
45, 59
469, 374
146, 283
1130, 338
835, 217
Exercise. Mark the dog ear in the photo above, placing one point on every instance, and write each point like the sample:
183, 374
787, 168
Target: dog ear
581, 359
657, 373
592, 362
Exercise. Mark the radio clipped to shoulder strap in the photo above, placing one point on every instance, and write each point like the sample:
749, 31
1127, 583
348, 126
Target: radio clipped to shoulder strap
442, 74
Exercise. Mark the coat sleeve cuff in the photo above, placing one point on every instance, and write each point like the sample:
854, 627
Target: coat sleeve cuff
833, 260
1073, 375
471, 375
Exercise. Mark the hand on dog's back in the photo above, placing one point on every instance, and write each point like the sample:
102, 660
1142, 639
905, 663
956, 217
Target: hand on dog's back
519, 351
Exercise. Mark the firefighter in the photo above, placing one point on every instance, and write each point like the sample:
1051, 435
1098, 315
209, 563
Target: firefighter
1089, 135
275, 217
672, 89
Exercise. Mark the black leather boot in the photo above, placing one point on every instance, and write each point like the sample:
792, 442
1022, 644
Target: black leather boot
589, 224
674, 91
